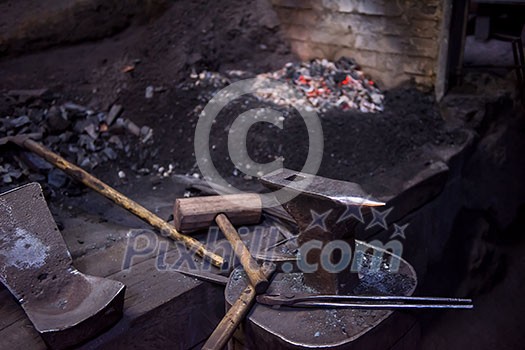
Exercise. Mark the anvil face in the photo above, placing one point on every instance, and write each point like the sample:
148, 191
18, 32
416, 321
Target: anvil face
327, 230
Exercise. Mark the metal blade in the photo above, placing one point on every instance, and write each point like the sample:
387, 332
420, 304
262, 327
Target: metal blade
204, 275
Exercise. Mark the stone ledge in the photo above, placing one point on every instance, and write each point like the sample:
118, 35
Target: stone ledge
421, 66
299, 4
365, 7
380, 43
296, 32
304, 17
422, 47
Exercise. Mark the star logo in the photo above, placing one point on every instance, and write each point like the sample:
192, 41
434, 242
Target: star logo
318, 220
352, 211
379, 218
399, 231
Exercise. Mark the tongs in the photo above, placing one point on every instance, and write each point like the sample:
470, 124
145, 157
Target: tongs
362, 301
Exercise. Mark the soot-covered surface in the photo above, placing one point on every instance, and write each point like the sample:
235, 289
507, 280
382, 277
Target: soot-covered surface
241, 36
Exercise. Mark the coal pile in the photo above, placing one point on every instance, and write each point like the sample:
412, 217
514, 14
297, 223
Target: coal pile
84, 136
319, 85
326, 85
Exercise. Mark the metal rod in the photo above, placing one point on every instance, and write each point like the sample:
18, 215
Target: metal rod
379, 298
379, 305
204, 276
281, 242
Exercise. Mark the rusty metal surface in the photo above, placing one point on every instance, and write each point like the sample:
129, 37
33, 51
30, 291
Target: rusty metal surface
293, 328
65, 306
318, 209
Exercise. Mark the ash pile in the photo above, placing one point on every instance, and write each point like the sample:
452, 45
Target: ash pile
319, 85
84, 136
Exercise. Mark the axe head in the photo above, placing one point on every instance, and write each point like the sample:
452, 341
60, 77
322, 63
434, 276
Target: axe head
65, 306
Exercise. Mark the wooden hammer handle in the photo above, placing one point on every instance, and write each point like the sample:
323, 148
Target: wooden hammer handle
255, 275
229, 323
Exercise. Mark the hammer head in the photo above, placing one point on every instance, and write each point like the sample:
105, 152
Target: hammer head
65, 306
323, 211
197, 213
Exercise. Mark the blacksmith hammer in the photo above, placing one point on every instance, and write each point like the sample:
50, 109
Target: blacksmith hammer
192, 214
325, 210
65, 306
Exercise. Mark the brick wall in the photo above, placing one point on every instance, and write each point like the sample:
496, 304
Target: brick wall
393, 40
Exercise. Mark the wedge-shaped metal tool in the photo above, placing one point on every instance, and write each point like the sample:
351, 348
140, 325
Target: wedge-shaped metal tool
325, 211
66, 306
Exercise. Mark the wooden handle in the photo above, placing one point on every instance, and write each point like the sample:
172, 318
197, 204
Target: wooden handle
229, 323
121, 200
197, 213
255, 275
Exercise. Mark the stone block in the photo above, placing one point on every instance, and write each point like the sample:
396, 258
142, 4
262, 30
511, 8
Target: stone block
368, 24
423, 47
424, 28
302, 49
387, 8
341, 5
419, 66
301, 4
358, 23
422, 80
391, 62
424, 10
305, 17
355, 23
365, 7
420, 28
389, 79
324, 37
362, 57
296, 32
324, 50
345, 52
381, 43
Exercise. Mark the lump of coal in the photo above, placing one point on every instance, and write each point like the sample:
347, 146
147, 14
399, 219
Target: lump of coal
57, 178
56, 120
